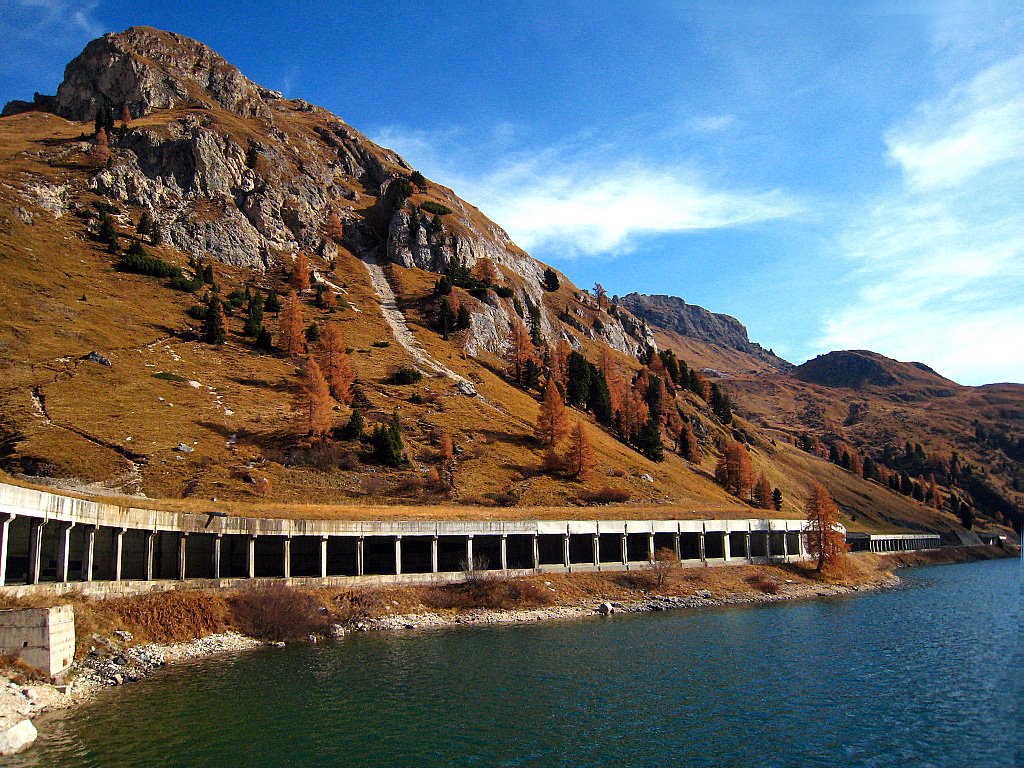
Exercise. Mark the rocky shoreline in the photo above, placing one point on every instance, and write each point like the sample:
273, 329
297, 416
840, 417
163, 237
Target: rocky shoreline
702, 598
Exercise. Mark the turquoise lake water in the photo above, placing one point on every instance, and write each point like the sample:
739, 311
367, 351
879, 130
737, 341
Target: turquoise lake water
926, 675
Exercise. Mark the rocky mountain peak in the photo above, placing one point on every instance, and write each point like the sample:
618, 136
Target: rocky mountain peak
143, 68
859, 368
672, 314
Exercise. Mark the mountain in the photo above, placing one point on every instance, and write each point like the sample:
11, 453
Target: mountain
216, 190
688, 322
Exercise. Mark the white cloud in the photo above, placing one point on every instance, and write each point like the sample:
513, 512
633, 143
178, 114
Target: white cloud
940, 260
973, 128
57, 17
711, 123
587, 205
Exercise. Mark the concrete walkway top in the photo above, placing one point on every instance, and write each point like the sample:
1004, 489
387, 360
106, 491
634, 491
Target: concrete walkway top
30, 502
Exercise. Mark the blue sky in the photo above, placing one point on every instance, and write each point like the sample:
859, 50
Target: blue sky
835, 175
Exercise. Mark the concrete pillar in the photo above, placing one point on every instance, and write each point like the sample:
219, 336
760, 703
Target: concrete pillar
565, 549
596, 543
182, 547
89, 556
35, 549
703, 555
536, 550
5, 532
675, 546
625, 550
118, 552
323, 557
768, 543
286, 552
785, 545
398, 555
217, 540
469, 553
750, 552
250, 557
504, 551
150, 545
726, 550
433, 554
650, 547
64, 551
359, 557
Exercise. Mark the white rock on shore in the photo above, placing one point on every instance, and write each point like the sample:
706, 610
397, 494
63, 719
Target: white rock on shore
18, 738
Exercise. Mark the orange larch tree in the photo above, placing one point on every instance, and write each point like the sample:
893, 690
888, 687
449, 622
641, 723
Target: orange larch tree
520, 350
825, 540
101, 149
293, 340
313, 399
336, 366
333, 228
762, 493
580, 458
300, 272
553, 421
688, 445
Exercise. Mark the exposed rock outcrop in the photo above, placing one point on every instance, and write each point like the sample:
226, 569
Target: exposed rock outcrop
675, 315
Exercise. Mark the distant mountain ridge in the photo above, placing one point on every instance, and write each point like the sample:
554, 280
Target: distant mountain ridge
673, 314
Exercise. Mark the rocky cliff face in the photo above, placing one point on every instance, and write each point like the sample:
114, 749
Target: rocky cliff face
145, 69
240, 174
672, 314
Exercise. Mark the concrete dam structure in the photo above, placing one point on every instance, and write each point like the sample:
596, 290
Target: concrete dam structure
52, 541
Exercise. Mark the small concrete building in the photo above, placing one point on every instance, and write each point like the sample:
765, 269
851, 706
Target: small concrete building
41, 637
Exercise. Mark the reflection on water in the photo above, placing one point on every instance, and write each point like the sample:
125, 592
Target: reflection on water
913, 677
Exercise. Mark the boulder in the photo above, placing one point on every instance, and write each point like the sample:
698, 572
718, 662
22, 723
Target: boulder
17, 738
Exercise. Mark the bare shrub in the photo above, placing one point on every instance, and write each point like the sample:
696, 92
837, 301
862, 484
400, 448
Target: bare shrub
277, 612
665, 563
607, 494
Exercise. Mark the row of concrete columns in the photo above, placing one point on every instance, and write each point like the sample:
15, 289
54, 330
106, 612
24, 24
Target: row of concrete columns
722, 551
902, 544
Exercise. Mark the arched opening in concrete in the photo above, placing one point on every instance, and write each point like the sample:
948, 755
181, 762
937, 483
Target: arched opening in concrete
714, 545
778, 543
342, 556
793, 542
738, 544
199, 556
305, 556
234, 554
581, 548
451, 553
269, 556
133, 554
487, 553
519, 550
609, 546
550, 546
19, 534
636, 547
379, 555
416, 554
759, 543
103, 562
689, 546
165, 555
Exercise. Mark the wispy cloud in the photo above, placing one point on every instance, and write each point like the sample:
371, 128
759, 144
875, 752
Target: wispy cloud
711, 123
582, 200
56, 17
940, 260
